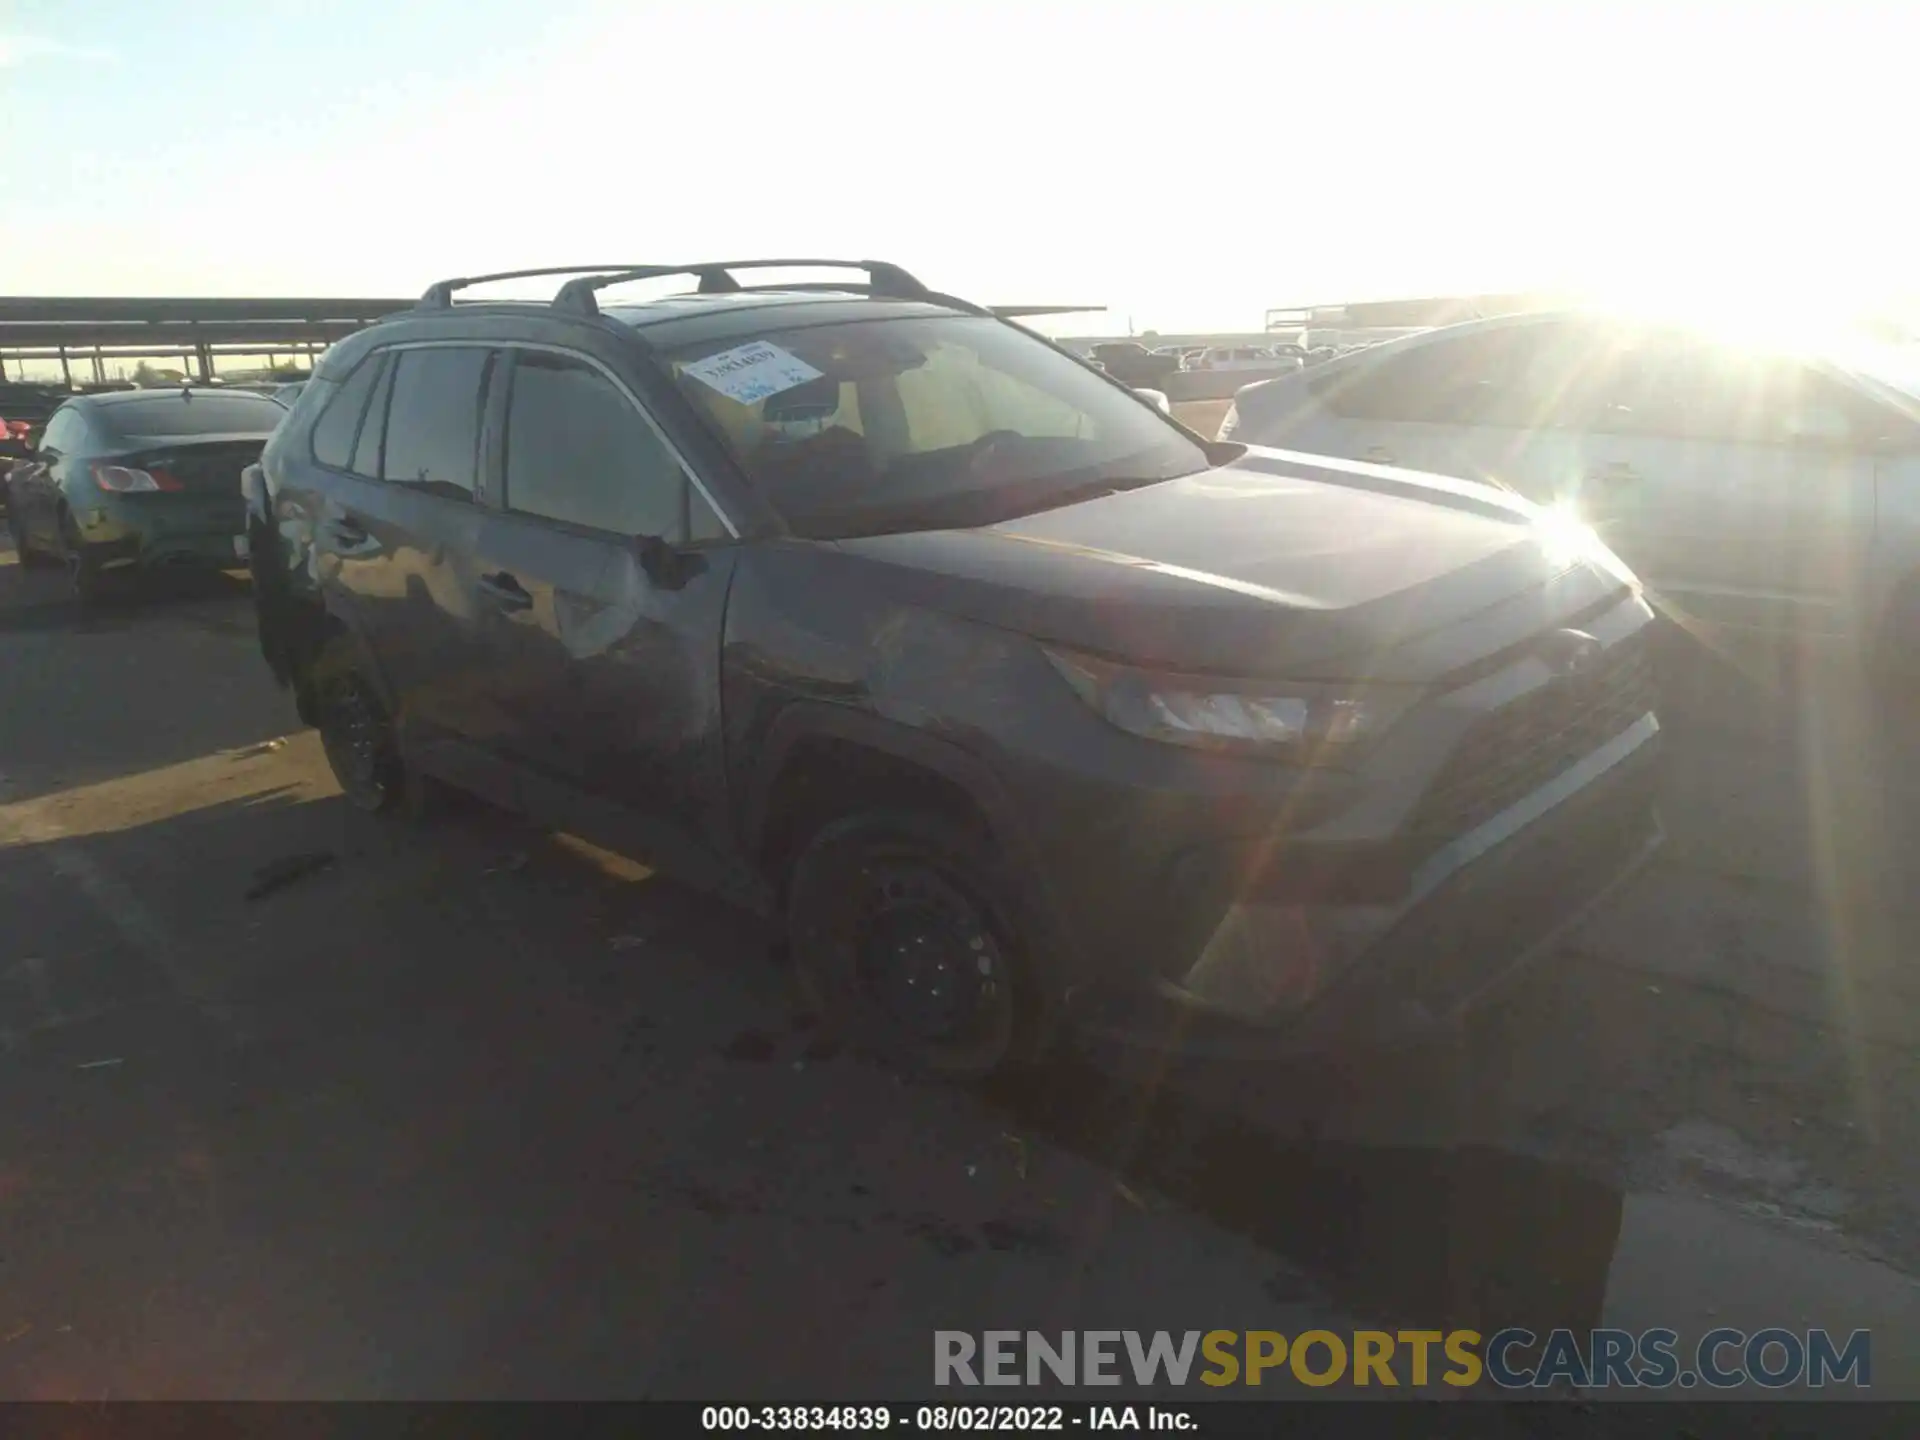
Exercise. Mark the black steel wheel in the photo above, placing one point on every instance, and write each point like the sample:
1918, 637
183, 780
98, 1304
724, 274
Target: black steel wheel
356, 732
906, 936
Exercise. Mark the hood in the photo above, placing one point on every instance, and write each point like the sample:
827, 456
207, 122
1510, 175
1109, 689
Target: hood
1274, 564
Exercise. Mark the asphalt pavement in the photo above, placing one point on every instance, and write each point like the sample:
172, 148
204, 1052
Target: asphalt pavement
296, 1103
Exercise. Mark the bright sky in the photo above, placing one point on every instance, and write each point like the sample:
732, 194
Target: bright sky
1189, 164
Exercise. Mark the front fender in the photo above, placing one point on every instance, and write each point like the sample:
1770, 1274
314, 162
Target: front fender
802, 721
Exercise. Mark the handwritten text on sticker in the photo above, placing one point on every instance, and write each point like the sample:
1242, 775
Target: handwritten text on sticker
753, 371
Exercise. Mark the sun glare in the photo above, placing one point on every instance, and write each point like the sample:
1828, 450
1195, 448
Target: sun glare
1756, 317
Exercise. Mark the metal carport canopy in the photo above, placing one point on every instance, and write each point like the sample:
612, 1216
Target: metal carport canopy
75, 327
111, 310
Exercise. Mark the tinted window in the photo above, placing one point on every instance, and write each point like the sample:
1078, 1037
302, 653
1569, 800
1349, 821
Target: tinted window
874, 425
1425, 385
1692, 391
433, 420
197, 413
373, 429
579, 451
339, 423
1528, 377
1542, 377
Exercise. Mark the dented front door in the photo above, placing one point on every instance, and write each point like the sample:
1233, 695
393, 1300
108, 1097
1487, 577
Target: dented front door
602, 670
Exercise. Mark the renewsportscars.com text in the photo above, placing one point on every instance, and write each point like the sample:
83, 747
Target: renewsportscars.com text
1511, 1359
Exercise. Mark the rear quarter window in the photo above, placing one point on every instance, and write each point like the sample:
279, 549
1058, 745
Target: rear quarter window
340, 408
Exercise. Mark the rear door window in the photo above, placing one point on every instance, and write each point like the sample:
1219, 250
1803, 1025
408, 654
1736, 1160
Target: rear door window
1688, 390
433, 420
1528, 377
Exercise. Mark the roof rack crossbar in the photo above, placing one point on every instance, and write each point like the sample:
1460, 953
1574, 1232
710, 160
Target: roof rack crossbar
830, 287
439, 295
716, 277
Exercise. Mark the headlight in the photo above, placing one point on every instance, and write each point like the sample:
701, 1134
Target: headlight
1286, 720
1229, 423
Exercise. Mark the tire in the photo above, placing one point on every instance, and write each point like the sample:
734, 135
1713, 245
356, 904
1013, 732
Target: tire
87, 580
271, 615
357, 732
906, 937
30, 558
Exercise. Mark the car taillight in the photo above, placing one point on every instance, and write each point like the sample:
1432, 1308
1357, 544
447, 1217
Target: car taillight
124, 479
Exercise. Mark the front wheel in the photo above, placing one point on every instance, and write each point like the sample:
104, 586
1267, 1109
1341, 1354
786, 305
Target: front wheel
906, 934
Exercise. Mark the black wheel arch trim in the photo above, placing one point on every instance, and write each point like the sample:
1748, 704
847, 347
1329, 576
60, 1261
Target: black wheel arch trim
340, 615
804, 721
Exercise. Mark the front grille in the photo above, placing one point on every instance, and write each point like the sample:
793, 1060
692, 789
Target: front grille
1520, 747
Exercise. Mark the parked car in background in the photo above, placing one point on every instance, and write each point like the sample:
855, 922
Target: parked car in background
1012, 700
1135, 365
137, 479
24, 407
1241, 357
1753, 490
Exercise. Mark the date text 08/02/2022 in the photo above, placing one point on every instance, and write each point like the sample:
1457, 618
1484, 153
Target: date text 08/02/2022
1005, 1419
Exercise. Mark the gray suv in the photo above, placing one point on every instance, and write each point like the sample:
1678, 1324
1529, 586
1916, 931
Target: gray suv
1015, 701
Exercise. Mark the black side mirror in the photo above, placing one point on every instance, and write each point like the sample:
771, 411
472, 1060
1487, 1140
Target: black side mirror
666, 567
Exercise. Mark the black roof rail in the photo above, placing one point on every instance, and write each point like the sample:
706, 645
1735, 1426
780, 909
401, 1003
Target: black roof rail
883, 279
439, 295
829, 287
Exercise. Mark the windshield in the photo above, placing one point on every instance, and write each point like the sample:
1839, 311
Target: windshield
877, 425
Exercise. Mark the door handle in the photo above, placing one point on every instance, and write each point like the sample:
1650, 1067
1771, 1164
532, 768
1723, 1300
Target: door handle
1379, 455
504, 592
346, 533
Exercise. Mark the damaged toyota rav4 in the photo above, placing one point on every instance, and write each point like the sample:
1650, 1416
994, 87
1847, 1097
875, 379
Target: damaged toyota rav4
1020, 706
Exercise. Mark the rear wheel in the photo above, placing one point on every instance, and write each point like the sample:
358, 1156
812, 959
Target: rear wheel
905, 934
88, 581
29, 557
356, 730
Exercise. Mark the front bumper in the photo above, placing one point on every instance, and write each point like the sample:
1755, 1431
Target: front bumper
1477, 913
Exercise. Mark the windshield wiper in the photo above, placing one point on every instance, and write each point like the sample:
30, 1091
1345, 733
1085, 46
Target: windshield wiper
993, 507
1082, 493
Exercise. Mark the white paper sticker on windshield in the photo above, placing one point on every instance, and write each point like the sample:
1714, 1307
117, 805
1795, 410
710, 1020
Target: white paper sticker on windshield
752, 372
